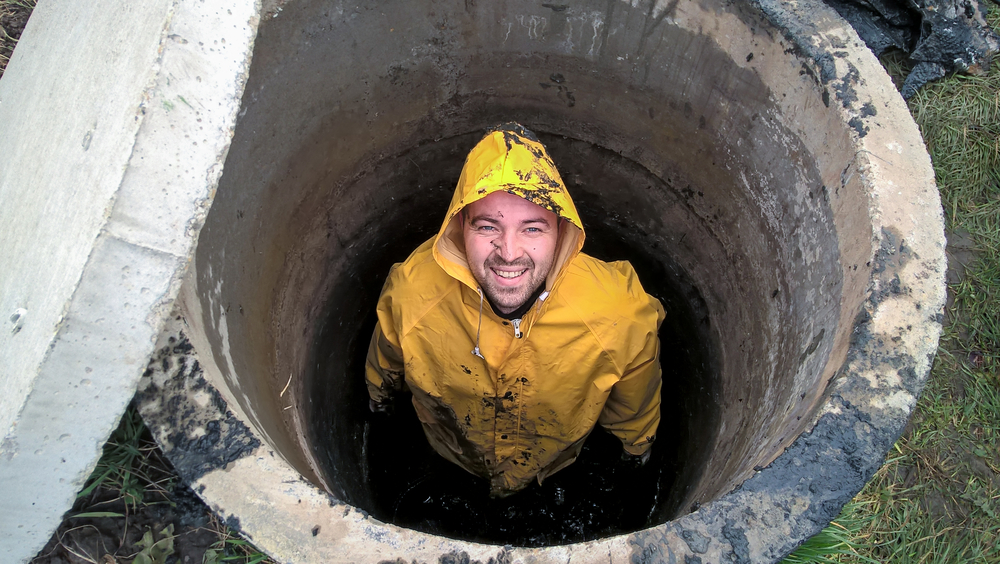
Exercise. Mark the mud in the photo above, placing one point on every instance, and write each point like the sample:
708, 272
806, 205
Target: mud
597, 496
204, 437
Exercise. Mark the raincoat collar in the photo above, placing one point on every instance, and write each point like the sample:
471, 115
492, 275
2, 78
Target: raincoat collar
510, 159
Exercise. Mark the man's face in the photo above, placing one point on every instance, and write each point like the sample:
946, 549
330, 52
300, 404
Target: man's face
510, 244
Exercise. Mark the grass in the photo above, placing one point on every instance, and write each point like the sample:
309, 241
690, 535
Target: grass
937, 498
837, 540
13, 15
232, 548
131, 466
131, 480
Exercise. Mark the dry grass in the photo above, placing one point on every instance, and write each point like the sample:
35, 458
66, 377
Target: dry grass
13, 16
133, 509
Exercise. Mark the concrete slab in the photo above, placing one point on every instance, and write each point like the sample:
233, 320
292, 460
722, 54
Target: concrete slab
116, 119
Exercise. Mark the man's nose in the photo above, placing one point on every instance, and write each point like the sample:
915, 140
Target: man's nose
507, 247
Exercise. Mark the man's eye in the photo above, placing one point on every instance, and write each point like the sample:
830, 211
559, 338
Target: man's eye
487, 228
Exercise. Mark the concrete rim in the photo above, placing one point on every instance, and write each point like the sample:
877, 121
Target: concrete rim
892, 347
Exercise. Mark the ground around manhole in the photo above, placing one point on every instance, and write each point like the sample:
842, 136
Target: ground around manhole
937, 499
135, 509
13, 17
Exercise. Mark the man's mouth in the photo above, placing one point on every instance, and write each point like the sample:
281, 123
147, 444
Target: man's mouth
508, 273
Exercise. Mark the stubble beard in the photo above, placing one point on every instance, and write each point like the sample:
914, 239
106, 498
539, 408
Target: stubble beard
509, 299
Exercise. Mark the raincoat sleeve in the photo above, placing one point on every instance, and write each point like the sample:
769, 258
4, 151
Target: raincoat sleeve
632, 412
384, 364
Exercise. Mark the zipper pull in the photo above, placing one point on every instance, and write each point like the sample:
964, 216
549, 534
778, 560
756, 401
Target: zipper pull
517, 327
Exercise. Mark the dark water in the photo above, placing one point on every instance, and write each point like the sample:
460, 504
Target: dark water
597, 496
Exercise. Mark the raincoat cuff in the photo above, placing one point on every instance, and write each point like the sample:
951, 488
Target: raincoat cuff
638, 450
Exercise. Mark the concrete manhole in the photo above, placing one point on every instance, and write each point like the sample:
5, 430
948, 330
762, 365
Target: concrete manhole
752, 160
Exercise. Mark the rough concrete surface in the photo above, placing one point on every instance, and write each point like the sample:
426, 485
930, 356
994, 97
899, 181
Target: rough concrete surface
116, 119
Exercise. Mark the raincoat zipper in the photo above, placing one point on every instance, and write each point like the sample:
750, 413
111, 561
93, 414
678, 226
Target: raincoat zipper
517, 327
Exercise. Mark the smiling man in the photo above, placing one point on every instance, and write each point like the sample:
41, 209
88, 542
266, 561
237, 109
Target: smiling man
513, 342
510, 245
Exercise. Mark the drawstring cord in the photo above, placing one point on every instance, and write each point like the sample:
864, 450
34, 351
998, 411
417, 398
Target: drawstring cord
520, 404
479, 329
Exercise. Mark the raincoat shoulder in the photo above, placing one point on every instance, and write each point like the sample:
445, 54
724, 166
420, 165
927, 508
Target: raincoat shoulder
413, 287
613, 305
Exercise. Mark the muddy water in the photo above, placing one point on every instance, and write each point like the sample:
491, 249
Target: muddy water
595, 497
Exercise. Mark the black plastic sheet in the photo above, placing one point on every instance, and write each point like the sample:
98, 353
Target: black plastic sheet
940, 37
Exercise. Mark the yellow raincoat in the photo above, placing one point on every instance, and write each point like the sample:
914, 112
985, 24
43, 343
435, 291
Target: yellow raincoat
586, 352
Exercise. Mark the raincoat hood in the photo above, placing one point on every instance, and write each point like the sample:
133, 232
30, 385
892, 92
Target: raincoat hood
509, 159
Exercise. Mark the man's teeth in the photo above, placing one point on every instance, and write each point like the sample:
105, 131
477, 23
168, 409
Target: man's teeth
503, 274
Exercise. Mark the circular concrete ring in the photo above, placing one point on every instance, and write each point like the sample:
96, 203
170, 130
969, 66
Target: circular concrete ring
116, 120
782, 178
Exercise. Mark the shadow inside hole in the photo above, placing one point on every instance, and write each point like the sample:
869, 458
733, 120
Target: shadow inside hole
384, 464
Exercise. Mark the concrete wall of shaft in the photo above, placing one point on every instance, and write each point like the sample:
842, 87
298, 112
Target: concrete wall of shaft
752, 160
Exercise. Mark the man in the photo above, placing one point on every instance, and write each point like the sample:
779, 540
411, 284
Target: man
513, 342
